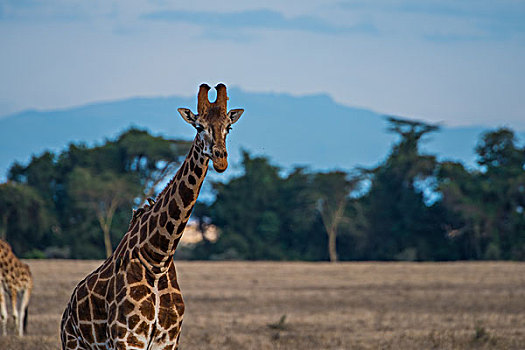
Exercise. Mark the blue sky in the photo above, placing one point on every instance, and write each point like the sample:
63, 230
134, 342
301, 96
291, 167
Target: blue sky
457, 62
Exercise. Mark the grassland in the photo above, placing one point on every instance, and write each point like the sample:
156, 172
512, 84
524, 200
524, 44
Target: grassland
262, 305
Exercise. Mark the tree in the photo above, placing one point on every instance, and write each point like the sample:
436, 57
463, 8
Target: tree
488, 203
153, 159
333, 190
400, 224
462, 196
499, 155
40, 174
244, 210
23, 216
102, 194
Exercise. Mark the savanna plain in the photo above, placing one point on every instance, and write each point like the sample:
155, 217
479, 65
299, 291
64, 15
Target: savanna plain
281, 305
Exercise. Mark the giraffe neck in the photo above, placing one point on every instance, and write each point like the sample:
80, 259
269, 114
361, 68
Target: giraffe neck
162, 226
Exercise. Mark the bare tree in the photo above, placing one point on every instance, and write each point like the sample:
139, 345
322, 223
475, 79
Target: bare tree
332, 218
333, 190
103, 194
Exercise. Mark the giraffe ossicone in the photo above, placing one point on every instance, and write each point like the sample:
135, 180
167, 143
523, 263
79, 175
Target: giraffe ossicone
133, 300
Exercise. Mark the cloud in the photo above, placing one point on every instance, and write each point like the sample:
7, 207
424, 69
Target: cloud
495, 20
445, 21
257, 19
52, 11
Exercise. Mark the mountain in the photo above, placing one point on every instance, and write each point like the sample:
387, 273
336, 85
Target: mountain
312, 131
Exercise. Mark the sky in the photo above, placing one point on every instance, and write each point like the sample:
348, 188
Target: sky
458, 62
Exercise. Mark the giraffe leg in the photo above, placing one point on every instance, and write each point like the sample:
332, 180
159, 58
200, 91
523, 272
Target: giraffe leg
3, 310
22, 322
14, 305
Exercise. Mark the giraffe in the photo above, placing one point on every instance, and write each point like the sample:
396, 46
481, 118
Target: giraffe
133, 300
15, 278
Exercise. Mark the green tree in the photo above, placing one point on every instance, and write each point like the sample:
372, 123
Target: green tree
102, 194
488, 203
40, 174
400, 225
152, 159
23, 217
244, 210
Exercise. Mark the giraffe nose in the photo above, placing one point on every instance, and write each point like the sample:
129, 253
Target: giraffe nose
220, 159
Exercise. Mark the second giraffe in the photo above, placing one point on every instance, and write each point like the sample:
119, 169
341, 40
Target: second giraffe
15, 279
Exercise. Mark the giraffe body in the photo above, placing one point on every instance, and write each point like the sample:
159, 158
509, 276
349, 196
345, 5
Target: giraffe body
15, 280
133, 300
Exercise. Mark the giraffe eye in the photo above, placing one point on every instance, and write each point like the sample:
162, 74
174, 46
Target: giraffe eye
199, 128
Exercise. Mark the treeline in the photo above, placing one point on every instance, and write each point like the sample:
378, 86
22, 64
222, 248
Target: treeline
410, 207
77, 204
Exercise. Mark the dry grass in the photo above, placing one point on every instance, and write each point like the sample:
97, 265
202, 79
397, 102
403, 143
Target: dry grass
240, 305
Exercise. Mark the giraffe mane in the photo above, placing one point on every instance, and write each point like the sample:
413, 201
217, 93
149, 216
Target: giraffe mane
165, 188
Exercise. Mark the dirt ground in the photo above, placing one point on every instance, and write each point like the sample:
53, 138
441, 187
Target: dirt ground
264, 305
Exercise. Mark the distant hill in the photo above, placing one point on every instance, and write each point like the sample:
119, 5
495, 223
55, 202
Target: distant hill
312, 131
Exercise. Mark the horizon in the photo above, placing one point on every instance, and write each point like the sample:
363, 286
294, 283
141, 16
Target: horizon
88, 104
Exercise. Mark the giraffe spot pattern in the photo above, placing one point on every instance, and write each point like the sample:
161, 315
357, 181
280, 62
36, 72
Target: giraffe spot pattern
159, 240
100, 332
174, 333
163, 282
170, 227
135, 273
143, 233
165, 201
133, 341
143, 328
163, 219
107, 271
186, 194
91, 282
150, 280
157, 206
99, 308
145, 217
112, 313
198, 172
87, 332
133, 321
174, 210
151, 227
126, 308
181, 228
119, 282
82, 292
111, 290
139, 292
147, 309
84, 305
101, 287
133, 241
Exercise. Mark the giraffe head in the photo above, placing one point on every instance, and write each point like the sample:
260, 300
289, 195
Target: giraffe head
213, 122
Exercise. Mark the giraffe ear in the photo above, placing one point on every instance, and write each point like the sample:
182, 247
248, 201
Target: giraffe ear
187, 115
235, 114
